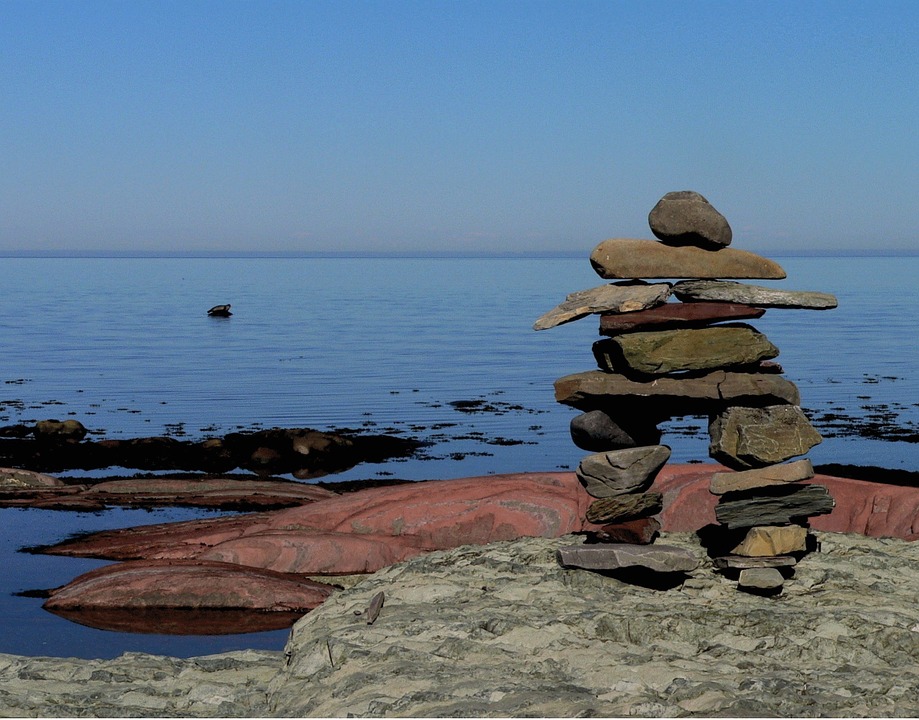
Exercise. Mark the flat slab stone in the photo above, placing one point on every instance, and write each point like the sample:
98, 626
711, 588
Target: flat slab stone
772, 540
737, 562
782, 506
677, 314
690, 349
625, 507
742, 480
760, 579
616, 556
745, 437
189, 584
733, 292
595, 390
15, 478
620, 472
625, 258
605, 298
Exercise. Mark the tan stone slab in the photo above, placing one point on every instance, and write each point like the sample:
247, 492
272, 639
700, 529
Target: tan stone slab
605, 298
773, 540
615, 556
627, 258
725, 482
760, 579
592, 389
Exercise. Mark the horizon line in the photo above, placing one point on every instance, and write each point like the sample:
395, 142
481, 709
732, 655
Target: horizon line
384, 254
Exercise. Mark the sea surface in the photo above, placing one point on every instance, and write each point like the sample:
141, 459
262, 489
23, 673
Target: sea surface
383, 344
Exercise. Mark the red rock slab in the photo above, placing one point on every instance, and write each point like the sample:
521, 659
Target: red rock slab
316, 552
862, 507
439, 514
677, 314
212, 492
192, 585
179, 621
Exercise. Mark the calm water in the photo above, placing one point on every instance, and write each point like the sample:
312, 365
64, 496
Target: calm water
124, 346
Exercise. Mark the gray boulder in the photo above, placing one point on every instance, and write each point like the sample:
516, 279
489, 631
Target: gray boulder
620, 472
751, 437
686, 218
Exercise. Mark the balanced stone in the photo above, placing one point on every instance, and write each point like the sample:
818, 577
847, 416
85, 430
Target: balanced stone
738, 562
605, 298
596, 431
687, 218
677, 314
615, 556
725, 482
745, 437
625, 507
595, 390
772, 540
640, 531
734, 292
667, 351
621, 472
624, 258
760, 579
784, 505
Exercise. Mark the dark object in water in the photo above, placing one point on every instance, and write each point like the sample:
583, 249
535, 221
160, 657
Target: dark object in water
219, 311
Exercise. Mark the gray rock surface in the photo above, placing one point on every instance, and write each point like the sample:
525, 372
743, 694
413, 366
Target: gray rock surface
504, 631
605, 298
734, 292
685, 217
621, 471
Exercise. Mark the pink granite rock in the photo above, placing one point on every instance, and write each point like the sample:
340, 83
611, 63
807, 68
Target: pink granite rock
438, 514
196, 584
316, 553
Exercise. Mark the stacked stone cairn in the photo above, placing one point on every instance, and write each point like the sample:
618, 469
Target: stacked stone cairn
663, 358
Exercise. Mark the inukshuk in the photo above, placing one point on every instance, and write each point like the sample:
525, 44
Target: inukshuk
677, 349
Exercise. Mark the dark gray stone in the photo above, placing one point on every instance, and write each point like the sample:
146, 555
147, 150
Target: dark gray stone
615, 556
781, 506
620, 472
625, 507
745, 437
596, 431
686, 218
745, 294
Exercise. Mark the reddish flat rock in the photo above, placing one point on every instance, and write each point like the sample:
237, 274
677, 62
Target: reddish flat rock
315, 552
439, 514
193, 585
677, 314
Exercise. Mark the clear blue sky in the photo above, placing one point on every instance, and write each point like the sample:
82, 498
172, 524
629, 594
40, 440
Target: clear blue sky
464, 125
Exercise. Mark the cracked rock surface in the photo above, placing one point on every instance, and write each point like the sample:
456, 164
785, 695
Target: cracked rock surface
503, 630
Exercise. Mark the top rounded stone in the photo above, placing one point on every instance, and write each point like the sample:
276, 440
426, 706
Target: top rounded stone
686, 218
